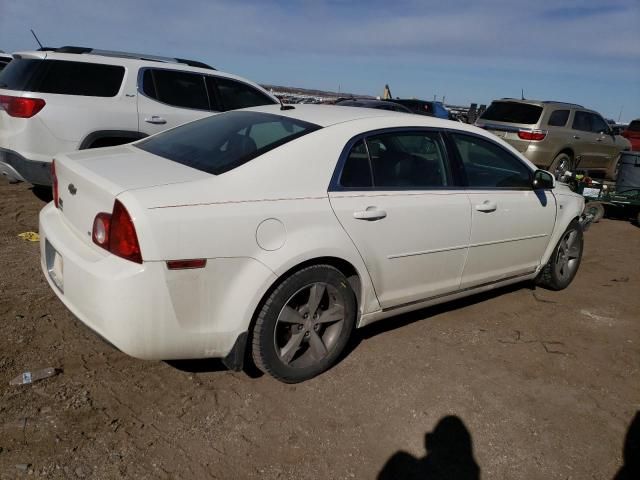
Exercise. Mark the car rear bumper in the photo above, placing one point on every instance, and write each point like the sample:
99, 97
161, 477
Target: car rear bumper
18, 168
144, 310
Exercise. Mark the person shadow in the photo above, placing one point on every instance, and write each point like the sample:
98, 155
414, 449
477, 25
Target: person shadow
449, 456
630, 470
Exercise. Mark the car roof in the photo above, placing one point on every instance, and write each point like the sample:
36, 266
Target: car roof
328, 115
540, 103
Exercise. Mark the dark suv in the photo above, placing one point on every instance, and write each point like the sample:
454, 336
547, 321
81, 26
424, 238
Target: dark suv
423, 107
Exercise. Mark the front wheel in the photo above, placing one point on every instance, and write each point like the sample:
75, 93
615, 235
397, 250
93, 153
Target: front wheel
563, 265
304, 324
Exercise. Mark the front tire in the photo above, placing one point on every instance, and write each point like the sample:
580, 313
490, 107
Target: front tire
304, 325
563, 265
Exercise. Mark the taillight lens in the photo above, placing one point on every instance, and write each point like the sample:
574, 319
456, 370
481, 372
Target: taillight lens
533, 135
21, 107
54, 180
101, 226
116, 233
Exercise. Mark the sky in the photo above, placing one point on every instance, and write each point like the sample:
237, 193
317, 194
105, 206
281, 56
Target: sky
581, 51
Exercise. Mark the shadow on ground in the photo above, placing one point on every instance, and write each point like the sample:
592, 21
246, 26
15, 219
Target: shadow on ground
630, 470
449, 456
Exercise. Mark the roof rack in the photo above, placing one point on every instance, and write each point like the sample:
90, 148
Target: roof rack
117, 54
564, 103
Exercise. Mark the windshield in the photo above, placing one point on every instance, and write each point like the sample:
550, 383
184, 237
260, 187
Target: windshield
512, 112
223, 142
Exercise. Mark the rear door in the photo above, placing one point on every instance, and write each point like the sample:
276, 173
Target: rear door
605, 148
394, 195
511, 223
585, 144
168, 98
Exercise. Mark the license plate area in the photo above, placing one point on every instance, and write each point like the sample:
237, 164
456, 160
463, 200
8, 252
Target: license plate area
55, 265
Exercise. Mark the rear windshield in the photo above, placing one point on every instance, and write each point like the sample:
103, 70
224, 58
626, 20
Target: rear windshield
62, 77
635, 126
223, 142
512, 112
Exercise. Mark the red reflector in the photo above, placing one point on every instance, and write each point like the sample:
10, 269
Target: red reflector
534, 135
21, 107
54, 180
186, 264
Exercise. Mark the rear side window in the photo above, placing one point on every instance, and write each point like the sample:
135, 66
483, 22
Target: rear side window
634, 126
558, 118
62, 77
223, 142
234, 95
488, 165
582, 121
512, 112
403, 160
178, 89
357, 169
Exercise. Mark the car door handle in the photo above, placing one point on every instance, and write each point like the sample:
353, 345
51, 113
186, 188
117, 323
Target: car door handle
577, 137
370, 214
487, 206
155, 119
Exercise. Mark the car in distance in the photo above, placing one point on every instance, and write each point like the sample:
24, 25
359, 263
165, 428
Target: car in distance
370, 103
423, 107
75, 98
275, 231
5, 58
632, 133
556, 136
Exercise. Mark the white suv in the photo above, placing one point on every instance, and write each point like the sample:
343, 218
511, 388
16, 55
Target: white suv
73, 98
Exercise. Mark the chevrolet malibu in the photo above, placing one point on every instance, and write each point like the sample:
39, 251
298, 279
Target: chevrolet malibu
271, 233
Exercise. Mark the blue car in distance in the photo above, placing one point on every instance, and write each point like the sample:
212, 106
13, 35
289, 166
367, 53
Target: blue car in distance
423, 107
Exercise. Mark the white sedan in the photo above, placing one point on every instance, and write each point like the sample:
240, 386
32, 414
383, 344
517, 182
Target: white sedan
271, 233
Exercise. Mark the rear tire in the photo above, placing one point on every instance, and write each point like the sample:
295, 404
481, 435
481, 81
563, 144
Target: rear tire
563, 265
560, 165
304, 325
596, 209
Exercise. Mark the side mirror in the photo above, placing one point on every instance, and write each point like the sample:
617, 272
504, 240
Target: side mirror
543, 180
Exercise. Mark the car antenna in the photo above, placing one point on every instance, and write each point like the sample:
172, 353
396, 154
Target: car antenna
36, 37
285, 107
522, 94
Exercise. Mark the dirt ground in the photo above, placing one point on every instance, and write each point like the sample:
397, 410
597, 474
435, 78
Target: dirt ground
521, 383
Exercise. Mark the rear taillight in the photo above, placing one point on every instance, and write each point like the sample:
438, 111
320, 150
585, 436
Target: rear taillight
116, 233
533, 135
21, 107
54, 180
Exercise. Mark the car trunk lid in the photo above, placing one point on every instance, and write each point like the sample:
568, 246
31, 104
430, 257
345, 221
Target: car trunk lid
89, 181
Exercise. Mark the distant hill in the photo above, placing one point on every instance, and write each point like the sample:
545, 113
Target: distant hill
311, 92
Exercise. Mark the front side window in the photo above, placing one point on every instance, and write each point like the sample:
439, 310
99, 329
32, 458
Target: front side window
582, 121
223, 142
178, 89
488, 165
558, 118
598, 125
62, 77
234, 95
399, 160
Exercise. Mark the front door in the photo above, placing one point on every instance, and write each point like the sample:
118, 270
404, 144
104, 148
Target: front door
395, 198
511, 223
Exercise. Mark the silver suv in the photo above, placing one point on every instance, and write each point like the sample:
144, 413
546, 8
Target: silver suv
556, 136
